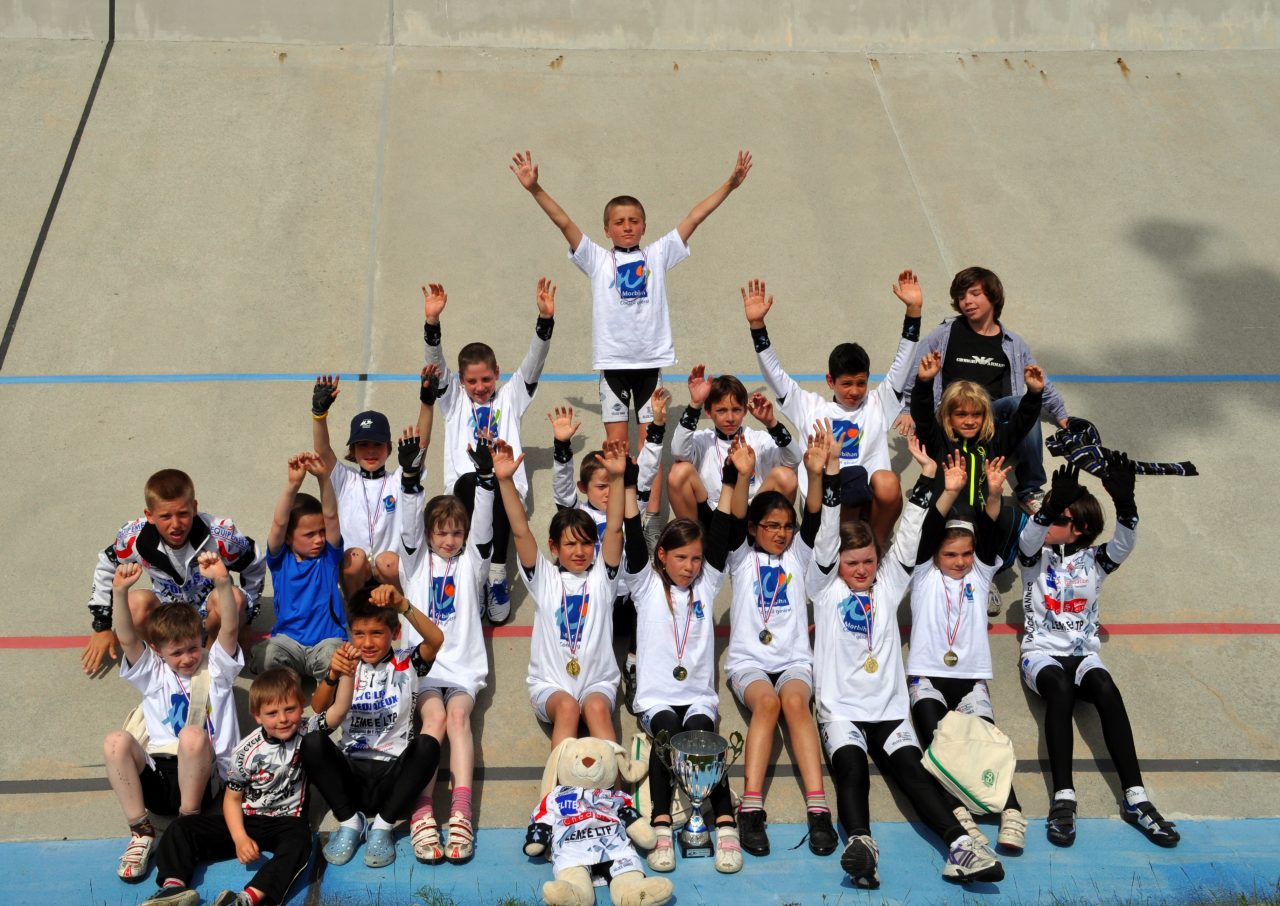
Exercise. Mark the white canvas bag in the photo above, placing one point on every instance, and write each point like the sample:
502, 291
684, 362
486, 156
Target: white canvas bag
973, 760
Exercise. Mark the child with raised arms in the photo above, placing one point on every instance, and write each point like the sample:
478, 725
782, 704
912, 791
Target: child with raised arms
167, 543
676, 667
1062, 573
949, 664
862, 704
860, 418
474, 406
769, 663
573, 674
264, 807
187, 706
693, 487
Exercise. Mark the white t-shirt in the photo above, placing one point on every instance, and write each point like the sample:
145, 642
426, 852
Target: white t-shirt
768, 592
367, 508
165, 697
564, 491
630, 323
943, 607
464, 420
850, 626
708, 451
572, 618
381, 716
659, 631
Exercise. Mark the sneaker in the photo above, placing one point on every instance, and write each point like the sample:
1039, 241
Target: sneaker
461, 844
728, 850
425, 834
629, 685
343, 844
1013, 831
995, 603
136, 858
1060, 826
173, 896
379, 848
498, 602
822, 836
1031, 503
1145, 818
751, 832
232, 898
859, 861
968, 860
970, 828
663, 855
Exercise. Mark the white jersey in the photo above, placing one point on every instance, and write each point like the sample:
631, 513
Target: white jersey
863, 432
851, 627
707, 449
449, 592
768, 594
950, 615
688, 624
572, 620
1060, 591
588, 828
268, 772
380, 721
630, 323
166, 696
368, 508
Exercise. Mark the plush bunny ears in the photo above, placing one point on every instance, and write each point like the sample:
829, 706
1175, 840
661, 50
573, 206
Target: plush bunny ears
628, 770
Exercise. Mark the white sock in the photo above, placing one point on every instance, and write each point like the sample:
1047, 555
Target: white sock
1135, 794
963, 838
1069, 795
355, 822
631, 661
380, 823
497, 572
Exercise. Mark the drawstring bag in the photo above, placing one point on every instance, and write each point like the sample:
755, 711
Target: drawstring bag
135, 724
973, 760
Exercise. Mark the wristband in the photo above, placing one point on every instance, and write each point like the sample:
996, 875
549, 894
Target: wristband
911, 328
760, 337
431, 333
321, 417
655, 433
101, 622
543, 328
830, 489
411, 482
922, 493
729, 474
781, 436
689, 418
562, 451
330, 679
631, 476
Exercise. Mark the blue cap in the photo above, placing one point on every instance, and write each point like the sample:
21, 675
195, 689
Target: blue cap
370, 426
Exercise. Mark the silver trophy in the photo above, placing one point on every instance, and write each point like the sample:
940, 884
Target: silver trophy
698, 759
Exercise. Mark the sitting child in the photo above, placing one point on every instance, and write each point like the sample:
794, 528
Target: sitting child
860, 419
264, 807
304, 554
166, 542
187, 706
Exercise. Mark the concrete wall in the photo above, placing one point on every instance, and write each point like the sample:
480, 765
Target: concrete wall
879, 26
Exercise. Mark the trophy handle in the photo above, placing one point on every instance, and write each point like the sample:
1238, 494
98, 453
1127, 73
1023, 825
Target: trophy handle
735, 745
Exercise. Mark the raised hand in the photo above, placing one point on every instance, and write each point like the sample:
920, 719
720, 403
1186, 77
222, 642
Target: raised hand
563, 425
429, 389
434, 300
659, 402
740, 169
323, 394
482, 454
525, 169
1118, 480
614, 458
904, 424
1064, 489
211, 566
930, 365
388, 596
928, 465
742, 455
409, 450
954, 473
504, 462
755, 302
314, 465
997, 472
908, 290
344, 660
815, 455
546, 298
127, 574
297, 470
699, 386
1034, 377
762, 409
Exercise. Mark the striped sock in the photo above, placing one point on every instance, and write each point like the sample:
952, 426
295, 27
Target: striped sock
253, 895
462, 801
425, 805
752, 801
816, 801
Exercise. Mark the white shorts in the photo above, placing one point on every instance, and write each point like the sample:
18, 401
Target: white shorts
976, 702
1033, 662
440, 690
739, 681
540, 694
836, 734
646, 719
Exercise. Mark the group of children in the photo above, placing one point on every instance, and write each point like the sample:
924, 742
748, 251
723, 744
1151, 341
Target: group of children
380, 593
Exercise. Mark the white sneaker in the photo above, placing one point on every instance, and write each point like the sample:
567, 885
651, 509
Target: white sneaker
663, 855
1013, 831
968, 861
995, 603
970, 828
425, 835
859, 861
136, 858
728, 850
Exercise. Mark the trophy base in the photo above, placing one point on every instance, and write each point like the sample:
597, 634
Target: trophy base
695, 845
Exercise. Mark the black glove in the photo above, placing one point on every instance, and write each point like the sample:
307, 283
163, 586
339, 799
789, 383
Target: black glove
1118, 481
729, 474
321, 398
631, 477
482, 457
409, 454
1064, 490
429, 391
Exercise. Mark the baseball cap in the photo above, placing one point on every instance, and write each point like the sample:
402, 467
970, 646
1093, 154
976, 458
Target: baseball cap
370, 426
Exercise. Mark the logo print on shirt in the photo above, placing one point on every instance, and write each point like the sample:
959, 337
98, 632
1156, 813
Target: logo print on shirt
774, 580
850, 437
853, 614
633, 282
569, 617
697, 610
443, 591
389, 503
176, 719
1055, 598
485, 418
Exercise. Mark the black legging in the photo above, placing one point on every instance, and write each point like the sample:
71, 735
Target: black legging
1055, 685
927, 713
659, 770
853, 784
465, 490
371, 786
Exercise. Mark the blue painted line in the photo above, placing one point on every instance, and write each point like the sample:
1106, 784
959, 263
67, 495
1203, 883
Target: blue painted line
575, 378
1111, 863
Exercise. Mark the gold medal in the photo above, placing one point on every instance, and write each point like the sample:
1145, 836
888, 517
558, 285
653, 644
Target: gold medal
680, 673
573, 667
950, 658
872, 665
766, 636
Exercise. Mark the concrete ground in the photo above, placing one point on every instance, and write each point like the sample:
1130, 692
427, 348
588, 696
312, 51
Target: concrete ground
240, 217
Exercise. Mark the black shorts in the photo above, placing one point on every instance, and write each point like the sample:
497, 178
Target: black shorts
626, 388
160, 791
854, 487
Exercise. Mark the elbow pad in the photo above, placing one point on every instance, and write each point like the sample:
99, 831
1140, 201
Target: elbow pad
431, 334
781, 436
562, 451
655, 434
544, 327
689, 418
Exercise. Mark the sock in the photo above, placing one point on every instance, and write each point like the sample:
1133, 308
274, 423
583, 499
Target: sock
963, 838
1135, 794
426, 803
1069, 795
381, 824
143, 826
631, 660
461, 801
172, 884
816, 801
254, 896
497, 572
752, 801
355, 822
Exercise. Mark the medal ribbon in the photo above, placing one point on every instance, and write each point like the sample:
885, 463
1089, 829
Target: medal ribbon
869, 610
966, 591
681, 643
766, 611
575, 637
372, 512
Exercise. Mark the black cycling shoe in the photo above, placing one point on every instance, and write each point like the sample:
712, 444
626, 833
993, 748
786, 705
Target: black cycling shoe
822, 836
1145, 818
751, 832
1060, 826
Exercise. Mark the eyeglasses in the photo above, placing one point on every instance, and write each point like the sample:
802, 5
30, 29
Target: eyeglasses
1064, 520
775, 527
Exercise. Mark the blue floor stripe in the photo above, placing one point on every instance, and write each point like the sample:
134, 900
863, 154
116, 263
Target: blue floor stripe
1111, 863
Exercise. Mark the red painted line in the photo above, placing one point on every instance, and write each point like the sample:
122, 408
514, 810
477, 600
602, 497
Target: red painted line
49, 642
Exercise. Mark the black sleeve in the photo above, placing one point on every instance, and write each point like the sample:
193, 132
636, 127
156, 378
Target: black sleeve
716, 551
633, 546
1010, 434
737, 532
986, 547
930, 535
927, 428
809, 525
